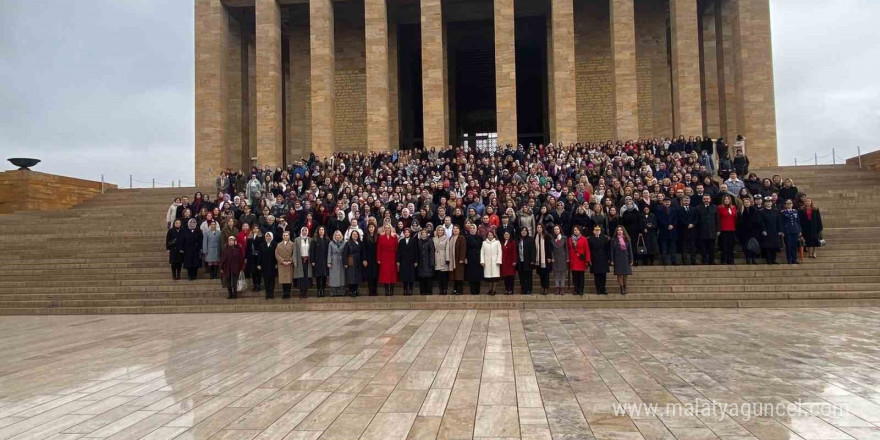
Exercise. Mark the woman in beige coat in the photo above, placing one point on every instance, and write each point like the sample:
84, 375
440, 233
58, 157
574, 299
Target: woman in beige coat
284, 256
441, 259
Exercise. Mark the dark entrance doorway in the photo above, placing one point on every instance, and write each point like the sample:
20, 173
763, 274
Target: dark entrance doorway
409, 75
531, 80
471, 66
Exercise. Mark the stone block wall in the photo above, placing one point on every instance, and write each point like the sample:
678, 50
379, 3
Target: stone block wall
869, 160
594, 70
34, 191
653, 68
350, 107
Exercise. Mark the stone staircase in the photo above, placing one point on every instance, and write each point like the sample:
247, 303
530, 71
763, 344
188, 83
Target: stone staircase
107, 256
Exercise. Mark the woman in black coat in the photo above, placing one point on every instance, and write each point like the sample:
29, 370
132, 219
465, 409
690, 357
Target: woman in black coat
525, 261
266, 263
648, 230
425, 270
175, 254
371, 270
353, 262
473, 270
811, 227
600, 259
252, 257
771, 231
407, 260
747, 228
190, 243
318, 250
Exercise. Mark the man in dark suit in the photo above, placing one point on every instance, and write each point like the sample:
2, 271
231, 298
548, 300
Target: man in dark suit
707, 229
506, 226
687, 225
667, 220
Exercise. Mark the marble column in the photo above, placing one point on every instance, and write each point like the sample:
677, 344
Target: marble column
709, 71
687, 113
211, 89
323, 77
376, 41
505, 73
269, 83
563, 92
623, 53
435, 100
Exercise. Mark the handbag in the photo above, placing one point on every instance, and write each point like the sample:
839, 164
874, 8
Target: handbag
822, 239
641, 249
753, 246
242, 282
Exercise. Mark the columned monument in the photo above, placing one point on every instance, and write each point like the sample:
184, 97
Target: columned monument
278, 79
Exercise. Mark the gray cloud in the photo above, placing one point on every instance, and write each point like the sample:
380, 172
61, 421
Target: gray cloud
106, 86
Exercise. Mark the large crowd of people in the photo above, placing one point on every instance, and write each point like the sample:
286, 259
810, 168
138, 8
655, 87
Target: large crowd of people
442, 217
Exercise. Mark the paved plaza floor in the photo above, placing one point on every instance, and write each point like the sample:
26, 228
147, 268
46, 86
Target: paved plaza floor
463, 374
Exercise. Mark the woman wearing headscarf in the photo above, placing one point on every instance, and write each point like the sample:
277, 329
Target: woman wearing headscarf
286, 263
371, 270
621, 257
211, 249
319, 249
175, 254
335, 264
171, 215
473, 271
386, 256
811, 227
491, 258
456, 254
354, 262
267, 263
508, 261
525, 261
425, 269
578, 258
559, 253
231, 265
441, 262
543, 257
302, 261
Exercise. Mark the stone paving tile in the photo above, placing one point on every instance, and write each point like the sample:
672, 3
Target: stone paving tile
461, 374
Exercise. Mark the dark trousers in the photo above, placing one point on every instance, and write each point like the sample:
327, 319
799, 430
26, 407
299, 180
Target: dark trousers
371, 286
599, 280
458, 287
689, 250
214, 271
577, 278
647, 260
727, 241
791, 248
285, 290
192, 272
769, 255
175, 270
475, 287
667, 251
426, 285
525, 281
353, 289
407, 288
232, 285
269, 286
544, 276
508, 284
256, 277
442, 280
707, 250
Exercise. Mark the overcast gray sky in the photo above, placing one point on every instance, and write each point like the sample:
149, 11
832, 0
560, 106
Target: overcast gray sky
106, 86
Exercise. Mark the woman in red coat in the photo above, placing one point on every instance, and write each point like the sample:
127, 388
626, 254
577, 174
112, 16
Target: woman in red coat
386, 256
509, 256
579, 258
727, 228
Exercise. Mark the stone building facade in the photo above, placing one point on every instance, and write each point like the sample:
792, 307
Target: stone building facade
278, 79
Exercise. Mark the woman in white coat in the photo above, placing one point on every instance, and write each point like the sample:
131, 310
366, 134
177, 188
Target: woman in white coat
490, 258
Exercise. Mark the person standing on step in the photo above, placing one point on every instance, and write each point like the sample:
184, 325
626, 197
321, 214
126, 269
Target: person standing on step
473, 271
425, 269
748, 229
267, 264
543, 257
318, 252
335, 264
371, 270
354, 262
252, 257
621, 257
490, 258
791, 230
509, 258
231, 265
302, 262
667, 220
707, 229
727, 213
175, 253
456, 254
211, 249
600, 257
386, 256
525, 261
407, 261
559, 252
811, 227
441, 262
770, 222
687, 225
578, 258
285, 260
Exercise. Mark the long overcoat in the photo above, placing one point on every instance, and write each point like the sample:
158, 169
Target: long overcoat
318, 250
600, 254
426, 258
491, 258
352, 253
458, 252
386, 255
284, 253
473, 270
335, 260
407, 256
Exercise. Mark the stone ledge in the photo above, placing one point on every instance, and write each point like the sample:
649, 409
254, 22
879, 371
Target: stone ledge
24, 190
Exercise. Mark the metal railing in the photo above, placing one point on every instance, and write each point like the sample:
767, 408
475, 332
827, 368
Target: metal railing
827, 159
152, 183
